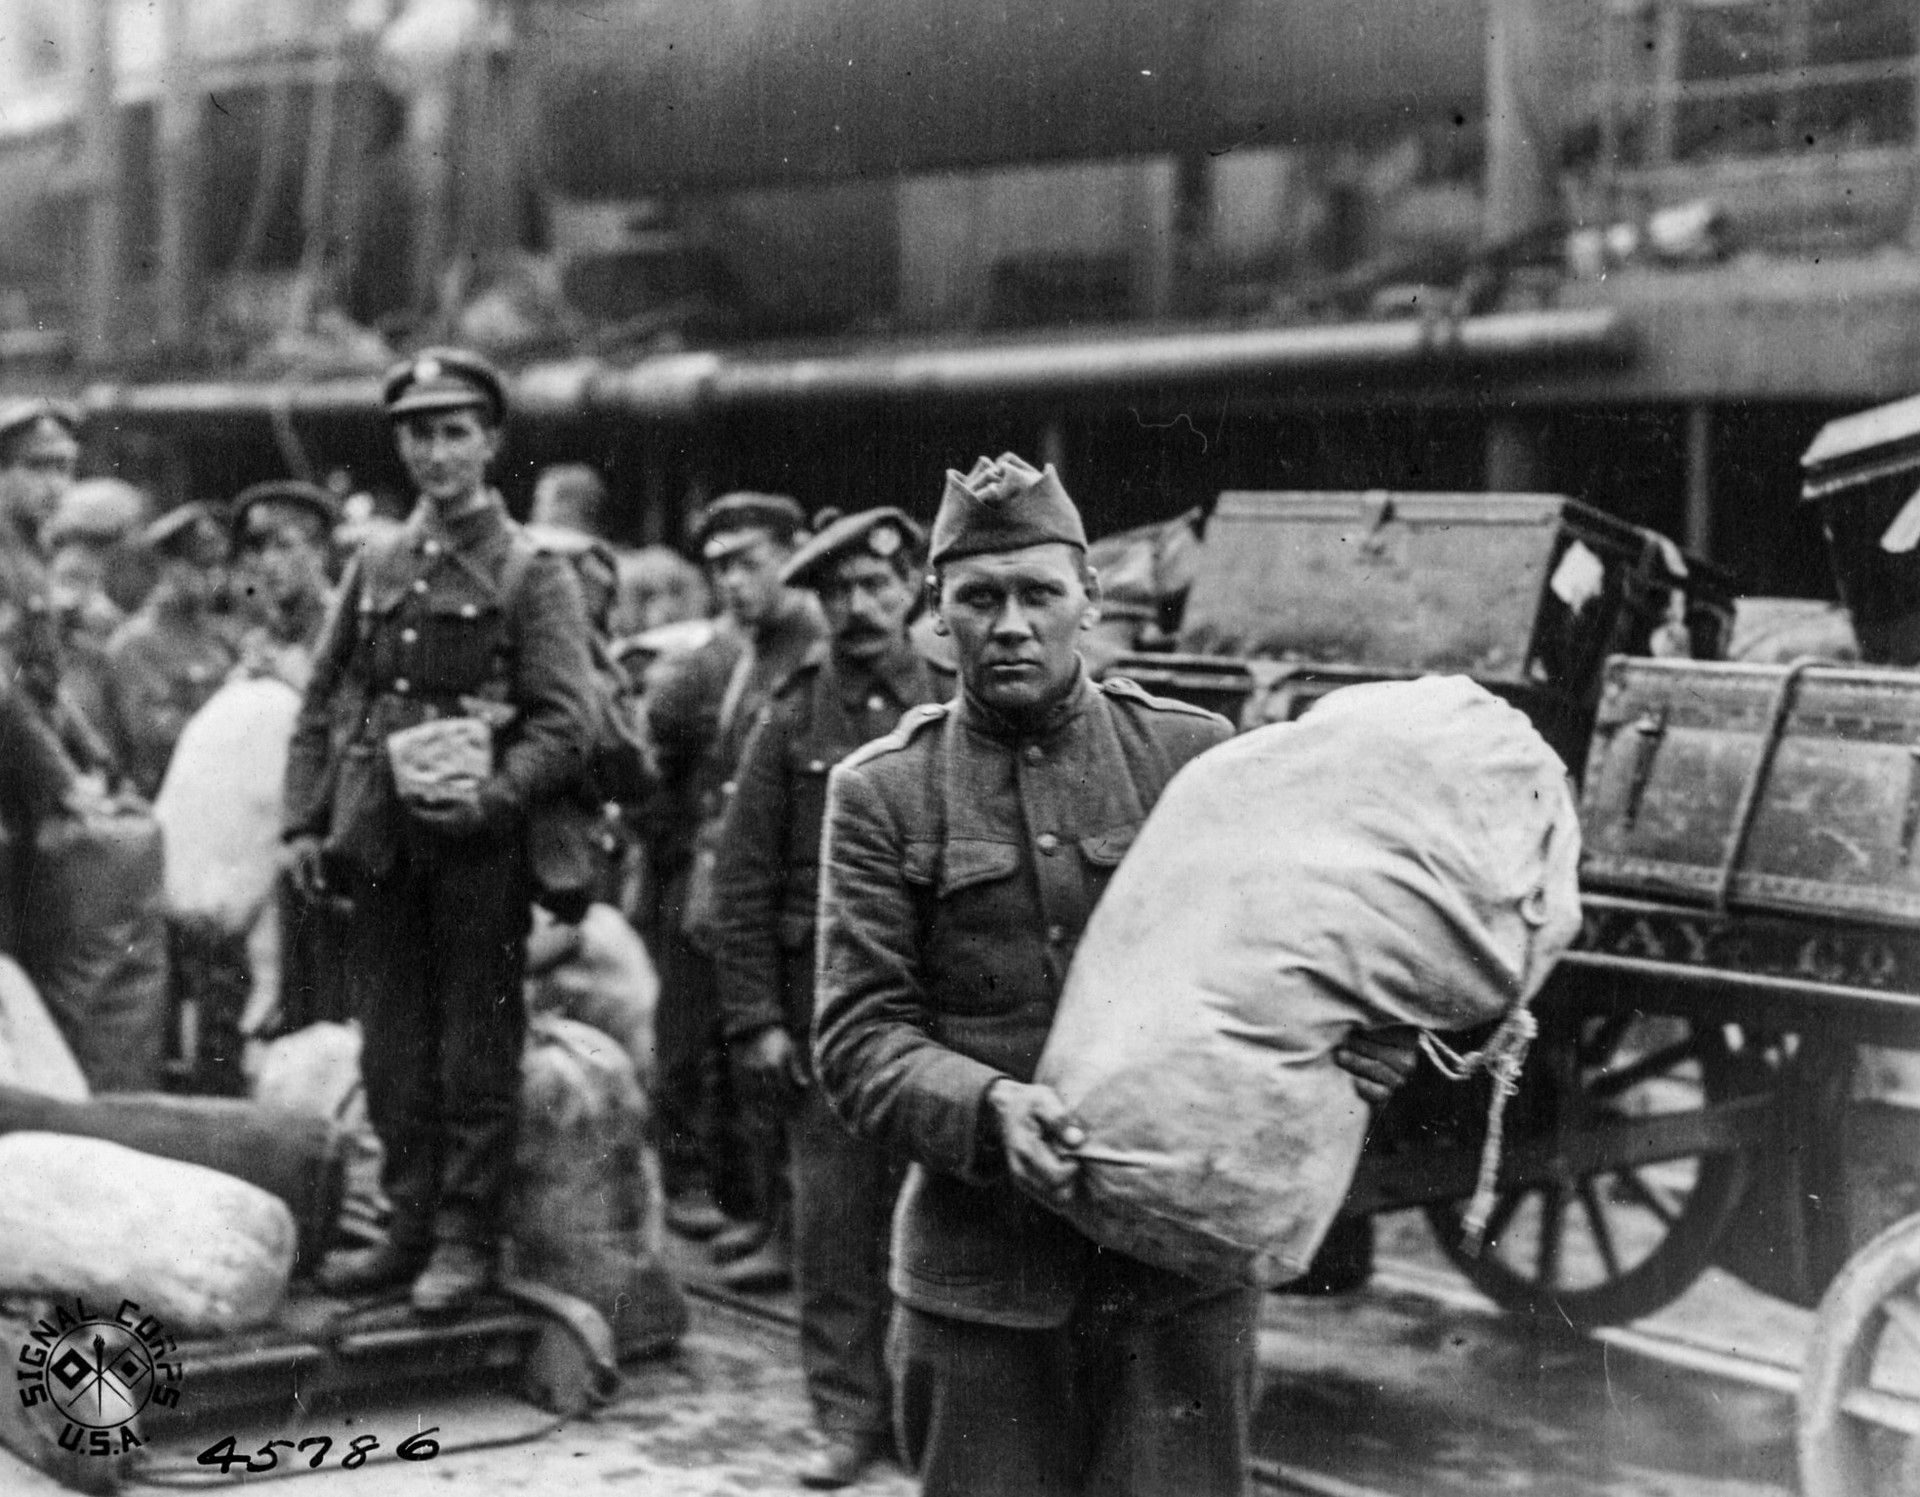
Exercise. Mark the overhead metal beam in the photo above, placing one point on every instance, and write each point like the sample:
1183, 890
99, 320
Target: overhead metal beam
681, 387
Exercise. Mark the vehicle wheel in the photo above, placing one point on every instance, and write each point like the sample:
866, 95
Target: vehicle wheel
1860, 1386
1620, 1241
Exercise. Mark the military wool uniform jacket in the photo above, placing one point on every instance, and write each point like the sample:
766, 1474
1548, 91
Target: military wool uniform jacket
767, 876
960, 862
421, 626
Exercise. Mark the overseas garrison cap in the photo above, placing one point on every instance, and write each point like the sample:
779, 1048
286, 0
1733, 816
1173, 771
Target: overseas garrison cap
444, 379
726, 525
188, 532
884, 533
1004, 504
20, 416
284, 493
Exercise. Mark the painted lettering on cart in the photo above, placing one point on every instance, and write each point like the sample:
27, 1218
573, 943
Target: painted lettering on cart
314, 1450
90, 1372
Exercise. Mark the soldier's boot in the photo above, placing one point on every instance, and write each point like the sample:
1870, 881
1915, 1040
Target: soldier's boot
739, 1240
356, 1271
694, 1215
844, 1459
767, 1268
455, 1276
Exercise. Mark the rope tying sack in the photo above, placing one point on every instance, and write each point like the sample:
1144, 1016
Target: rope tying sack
1501, 1057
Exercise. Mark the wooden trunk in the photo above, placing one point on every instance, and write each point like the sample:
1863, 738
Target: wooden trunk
1785, 788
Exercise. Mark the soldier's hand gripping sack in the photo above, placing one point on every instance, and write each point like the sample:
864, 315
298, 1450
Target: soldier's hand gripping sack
1403, 854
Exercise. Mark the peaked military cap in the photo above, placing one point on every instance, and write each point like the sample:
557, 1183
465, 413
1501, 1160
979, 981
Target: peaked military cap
723, 527
444, 379
288, 493
188, 532
20, 416
886, 533
1003, 504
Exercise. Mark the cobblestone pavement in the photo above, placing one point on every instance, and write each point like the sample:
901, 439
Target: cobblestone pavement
1415, 1387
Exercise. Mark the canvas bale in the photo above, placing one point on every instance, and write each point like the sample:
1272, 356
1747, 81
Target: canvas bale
1403, 854
219, 804
585, 1212
203, 1251
33, 1056
598, 973
95, 940
316, 1071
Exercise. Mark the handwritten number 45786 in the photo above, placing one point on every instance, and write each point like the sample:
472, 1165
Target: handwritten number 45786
222, 1453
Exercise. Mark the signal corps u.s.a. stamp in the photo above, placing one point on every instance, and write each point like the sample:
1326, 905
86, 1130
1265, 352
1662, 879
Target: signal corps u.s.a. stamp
88, 1373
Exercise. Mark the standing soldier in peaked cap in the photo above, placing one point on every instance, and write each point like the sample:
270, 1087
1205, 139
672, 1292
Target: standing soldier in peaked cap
963, 854
39, 454
449, 697
174, 653
698, 716
865, 570
282, 539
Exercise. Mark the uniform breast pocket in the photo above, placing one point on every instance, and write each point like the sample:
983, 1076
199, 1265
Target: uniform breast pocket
1102, 853
459, 644
983, 954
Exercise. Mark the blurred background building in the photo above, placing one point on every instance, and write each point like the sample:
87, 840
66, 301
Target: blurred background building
1632, 250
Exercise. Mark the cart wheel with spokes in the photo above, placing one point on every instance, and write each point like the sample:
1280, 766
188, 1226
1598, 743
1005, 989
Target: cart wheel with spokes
1618, 1240
1860, 1386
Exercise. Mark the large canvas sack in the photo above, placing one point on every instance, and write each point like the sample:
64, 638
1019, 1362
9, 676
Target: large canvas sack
316, 1072
33, 1056
1404, 854
95, 941
598, 973
219, 804
585, 1210
293, 1156
203, 1251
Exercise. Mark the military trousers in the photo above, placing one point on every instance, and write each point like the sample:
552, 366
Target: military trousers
1112, 1404
843, 1194
436, 955
702, 1132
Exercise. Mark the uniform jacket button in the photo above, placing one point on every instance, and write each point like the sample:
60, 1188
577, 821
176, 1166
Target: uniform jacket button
468, 611
1034, 754
1056, 934
403, 686
408, 636
1049, 844
419, 584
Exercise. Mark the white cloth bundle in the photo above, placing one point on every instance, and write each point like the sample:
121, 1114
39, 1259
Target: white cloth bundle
219, 805
1405, 853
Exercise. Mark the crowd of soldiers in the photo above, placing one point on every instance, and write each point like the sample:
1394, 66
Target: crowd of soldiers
879, 793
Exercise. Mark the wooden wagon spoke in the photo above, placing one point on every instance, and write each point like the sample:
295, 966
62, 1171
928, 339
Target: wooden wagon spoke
1601, 1228
1553, 1220
1653, 1063
1605, 1037
1637, 1187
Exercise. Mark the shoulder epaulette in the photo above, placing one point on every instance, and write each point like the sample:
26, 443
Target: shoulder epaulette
805, 671
1133, 691
911, 722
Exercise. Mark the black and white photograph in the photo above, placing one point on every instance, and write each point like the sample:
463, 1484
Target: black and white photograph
960, 748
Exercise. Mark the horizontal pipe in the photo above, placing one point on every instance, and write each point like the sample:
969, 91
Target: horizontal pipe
681, 387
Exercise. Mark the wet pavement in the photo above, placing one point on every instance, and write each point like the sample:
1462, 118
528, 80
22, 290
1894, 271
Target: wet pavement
1416, 1386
